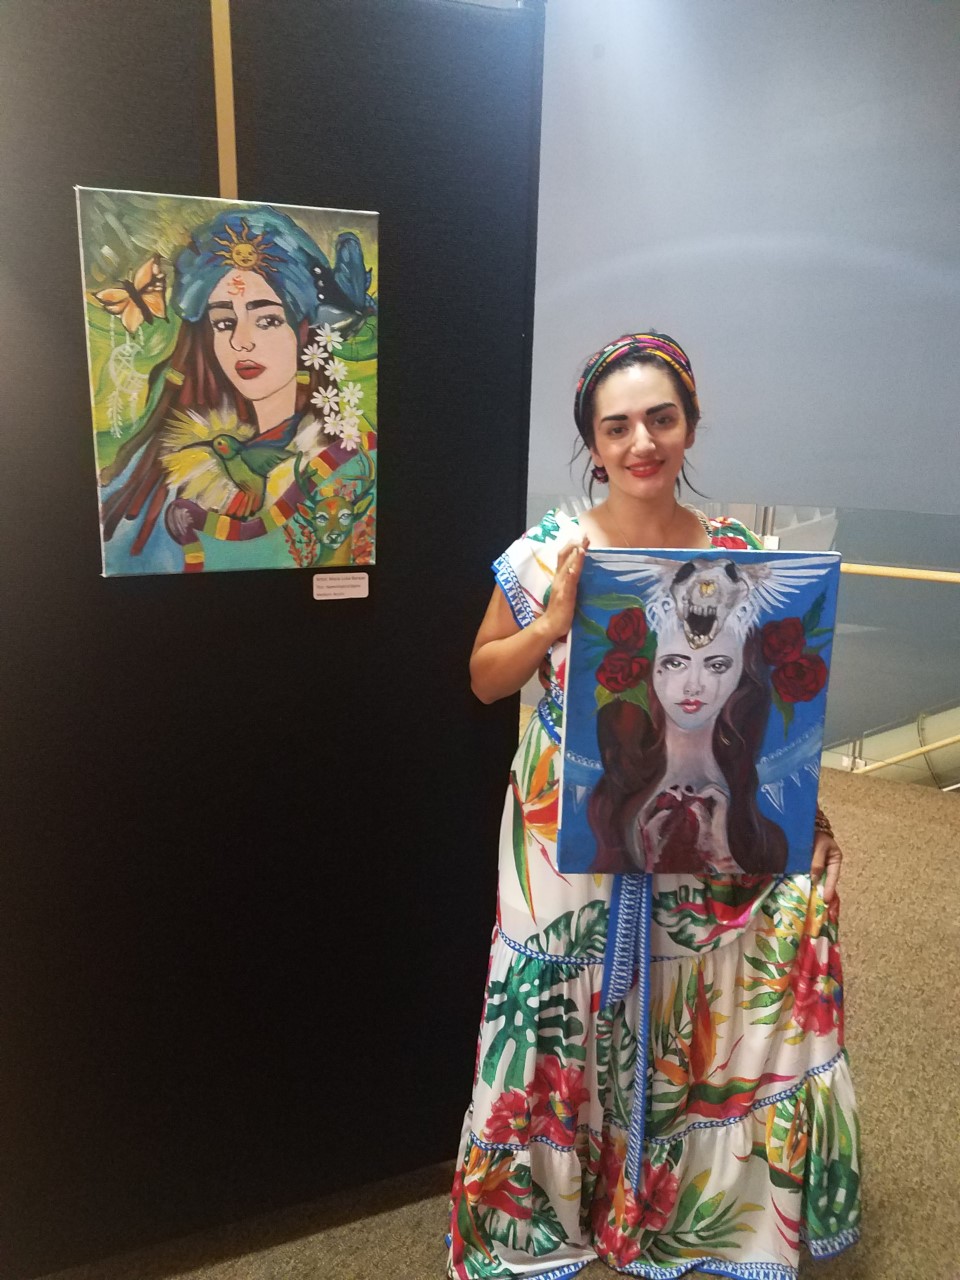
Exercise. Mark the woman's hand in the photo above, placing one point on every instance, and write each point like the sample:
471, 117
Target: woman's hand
827, 856
505, 655
561, 606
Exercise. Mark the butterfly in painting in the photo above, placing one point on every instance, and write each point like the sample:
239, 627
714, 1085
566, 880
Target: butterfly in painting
144, 298
344, 302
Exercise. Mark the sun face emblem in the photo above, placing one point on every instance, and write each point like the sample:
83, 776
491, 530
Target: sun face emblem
247, 251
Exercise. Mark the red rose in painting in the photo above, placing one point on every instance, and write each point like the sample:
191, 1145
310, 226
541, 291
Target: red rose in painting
628, 629
509, 1118
619, 671
731, 541
557, 1093
783, 641
800, 680
817, 990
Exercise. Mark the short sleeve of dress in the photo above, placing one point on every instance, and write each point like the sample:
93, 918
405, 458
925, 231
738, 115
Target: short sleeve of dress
727, 532
525, 570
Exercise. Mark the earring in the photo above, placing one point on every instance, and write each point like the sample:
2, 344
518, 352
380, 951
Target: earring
303, 376
600, 474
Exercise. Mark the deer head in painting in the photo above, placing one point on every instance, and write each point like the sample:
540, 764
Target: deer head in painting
333, 510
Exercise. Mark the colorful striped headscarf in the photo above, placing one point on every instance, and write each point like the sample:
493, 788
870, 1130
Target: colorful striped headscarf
658, 344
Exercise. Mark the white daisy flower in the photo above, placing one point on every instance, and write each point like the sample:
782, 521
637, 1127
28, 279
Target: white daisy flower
326, 398
314, 355
351, 394
336, 369
350, 416
333, 425
350, 437
328, 337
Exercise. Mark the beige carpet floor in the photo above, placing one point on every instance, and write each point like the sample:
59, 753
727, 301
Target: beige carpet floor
901, 932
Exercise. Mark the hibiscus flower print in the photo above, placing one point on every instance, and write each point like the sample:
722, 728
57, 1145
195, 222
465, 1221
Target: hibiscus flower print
557, 1094
650, 1208
630, 1214
509, 1118
818, 990
614, 1247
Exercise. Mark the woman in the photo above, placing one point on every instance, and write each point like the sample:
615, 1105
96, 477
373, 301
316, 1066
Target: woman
249, 397
680, 781
702, 1116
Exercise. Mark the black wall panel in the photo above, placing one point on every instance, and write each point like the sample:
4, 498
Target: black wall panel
248, 840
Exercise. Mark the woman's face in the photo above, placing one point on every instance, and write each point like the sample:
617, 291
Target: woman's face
254, 345
640, 430
694, 684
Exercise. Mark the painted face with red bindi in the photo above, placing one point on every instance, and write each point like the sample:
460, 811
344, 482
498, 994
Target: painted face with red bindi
252, 340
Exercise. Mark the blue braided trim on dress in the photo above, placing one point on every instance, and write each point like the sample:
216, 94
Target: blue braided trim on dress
769, 1101
546, 955
558, 1273
543, 711
712, 1267
830, 1246
521, 1146
509, 583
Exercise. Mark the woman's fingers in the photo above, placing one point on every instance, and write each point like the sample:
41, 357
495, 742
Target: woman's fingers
819, 858
826, 861
563, 593
833, 875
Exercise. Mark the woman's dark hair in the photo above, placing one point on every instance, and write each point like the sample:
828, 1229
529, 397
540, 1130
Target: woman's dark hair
585, 422
632, 746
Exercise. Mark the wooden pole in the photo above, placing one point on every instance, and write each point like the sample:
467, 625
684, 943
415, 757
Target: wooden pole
223, 92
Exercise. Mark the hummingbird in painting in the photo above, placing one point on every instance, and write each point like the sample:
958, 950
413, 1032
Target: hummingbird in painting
247, 464
219, 462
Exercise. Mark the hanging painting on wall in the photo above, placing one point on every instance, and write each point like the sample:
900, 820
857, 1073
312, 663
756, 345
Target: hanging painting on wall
232, 350
694, 710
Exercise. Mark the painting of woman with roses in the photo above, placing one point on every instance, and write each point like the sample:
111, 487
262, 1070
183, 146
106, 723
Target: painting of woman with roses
696, 699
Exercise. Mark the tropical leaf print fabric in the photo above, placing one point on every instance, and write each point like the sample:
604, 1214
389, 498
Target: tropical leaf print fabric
750, 1140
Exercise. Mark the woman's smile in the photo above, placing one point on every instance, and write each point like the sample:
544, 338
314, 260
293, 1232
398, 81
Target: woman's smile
643, 469
247, 369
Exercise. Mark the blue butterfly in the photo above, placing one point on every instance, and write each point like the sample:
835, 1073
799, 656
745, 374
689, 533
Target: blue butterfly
344, 302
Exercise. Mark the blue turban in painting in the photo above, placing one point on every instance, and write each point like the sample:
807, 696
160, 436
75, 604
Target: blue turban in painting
257, 239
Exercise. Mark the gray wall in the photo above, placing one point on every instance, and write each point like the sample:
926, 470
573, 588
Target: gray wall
777, 185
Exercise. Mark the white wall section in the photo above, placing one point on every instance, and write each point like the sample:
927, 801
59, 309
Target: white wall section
776, 185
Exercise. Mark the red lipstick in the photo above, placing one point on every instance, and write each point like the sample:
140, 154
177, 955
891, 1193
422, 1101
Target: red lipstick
248, 369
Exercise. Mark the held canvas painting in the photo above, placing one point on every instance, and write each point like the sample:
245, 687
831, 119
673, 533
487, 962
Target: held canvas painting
695, 701
232, 352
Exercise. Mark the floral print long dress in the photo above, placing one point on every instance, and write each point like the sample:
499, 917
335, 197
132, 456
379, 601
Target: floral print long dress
750, 1138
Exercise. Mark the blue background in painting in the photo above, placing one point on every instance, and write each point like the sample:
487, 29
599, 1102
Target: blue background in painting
787, 763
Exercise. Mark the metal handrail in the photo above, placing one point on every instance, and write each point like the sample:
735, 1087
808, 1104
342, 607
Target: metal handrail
895, 571
908, 755
913, 575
